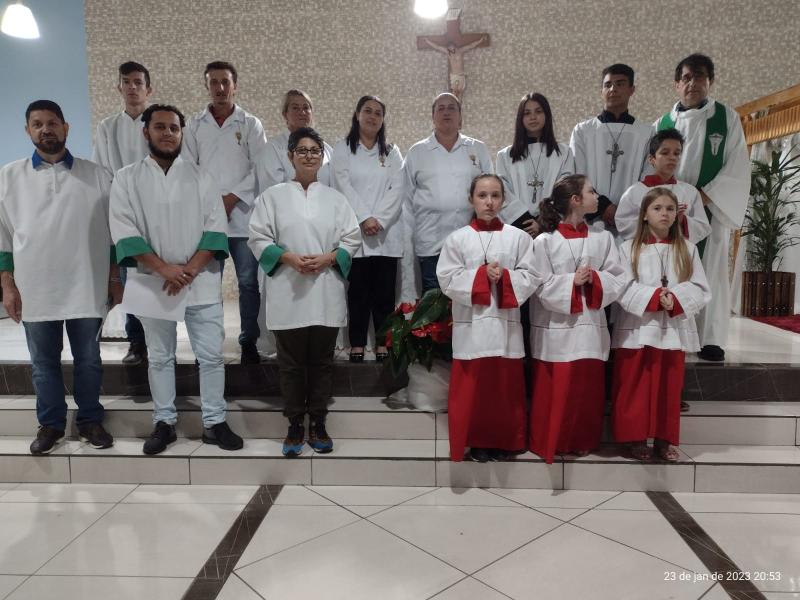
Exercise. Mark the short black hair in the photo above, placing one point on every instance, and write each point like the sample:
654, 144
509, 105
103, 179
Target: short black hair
619, 69
662, 136
304, 132
44, 105
222, 65
129, 67
696, 62
148, 113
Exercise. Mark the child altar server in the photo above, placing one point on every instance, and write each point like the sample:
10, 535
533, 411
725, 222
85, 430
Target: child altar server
655, 327
664, 156
581, 274
486, 268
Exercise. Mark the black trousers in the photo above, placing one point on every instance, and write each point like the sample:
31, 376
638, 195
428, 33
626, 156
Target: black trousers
305, 363
371, 294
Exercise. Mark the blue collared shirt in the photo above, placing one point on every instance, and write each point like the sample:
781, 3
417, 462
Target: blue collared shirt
37, 160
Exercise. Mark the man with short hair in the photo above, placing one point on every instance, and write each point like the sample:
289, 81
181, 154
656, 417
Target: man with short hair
714, 160
611, 148
118, 143
224, 139
56, 271
167, 220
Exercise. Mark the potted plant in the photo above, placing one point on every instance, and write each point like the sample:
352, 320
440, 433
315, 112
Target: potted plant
419, 339
768, 225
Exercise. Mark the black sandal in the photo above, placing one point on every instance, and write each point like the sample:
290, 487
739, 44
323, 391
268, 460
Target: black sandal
381, 356
356, 357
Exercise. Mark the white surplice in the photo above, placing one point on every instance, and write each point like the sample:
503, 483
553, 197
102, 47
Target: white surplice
374, 187
729, 192
170, 212
437, 189
482, 331
518, 175
119, 141
313, 221
54, 223
557, 335
591, 144
634, 327
228, 153
627, 215
272, 164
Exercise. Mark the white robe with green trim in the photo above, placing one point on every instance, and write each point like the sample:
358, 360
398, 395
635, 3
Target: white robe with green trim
287, 218
172, 214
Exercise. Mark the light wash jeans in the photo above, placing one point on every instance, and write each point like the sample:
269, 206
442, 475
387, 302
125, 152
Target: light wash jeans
206, 334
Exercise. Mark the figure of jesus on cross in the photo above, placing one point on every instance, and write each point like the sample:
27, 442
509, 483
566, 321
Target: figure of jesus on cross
454, 45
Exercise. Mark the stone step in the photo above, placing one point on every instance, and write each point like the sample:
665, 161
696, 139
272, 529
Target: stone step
365, 417
702, 468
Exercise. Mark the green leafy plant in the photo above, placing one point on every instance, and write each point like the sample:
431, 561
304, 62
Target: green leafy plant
771, 215
419, 332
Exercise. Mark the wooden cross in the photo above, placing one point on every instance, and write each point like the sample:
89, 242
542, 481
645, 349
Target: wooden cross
454, 44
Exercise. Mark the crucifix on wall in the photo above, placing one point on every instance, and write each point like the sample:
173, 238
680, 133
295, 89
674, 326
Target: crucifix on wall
454, 45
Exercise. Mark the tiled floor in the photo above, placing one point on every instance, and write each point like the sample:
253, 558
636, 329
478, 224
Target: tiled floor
150, 541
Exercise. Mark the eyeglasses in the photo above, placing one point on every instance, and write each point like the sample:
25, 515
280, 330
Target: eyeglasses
698, 77
312, 152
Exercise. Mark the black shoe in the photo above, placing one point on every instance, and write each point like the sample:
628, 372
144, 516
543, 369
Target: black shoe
318, 437
222, 436
162, 436
356, 357
381, 356
712, 353
46, 439
250, 355
137, 354
684, 406
496, 454
295, 438
480, 455
96, 436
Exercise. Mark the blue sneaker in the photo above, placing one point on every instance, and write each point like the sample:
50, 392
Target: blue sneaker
318, 438
293, 443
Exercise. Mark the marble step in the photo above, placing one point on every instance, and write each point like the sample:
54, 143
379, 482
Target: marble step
702, 468
365, 417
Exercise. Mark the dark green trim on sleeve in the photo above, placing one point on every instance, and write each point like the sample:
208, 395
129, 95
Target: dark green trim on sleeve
343, 262
129, 247
6, 261
216, 242
270, 259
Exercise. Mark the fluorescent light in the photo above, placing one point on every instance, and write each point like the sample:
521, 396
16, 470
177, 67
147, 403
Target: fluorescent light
18, 22
430, 9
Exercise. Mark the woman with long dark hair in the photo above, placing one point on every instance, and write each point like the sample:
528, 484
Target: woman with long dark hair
368, 171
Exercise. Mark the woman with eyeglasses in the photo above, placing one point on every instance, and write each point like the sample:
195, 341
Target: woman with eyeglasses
304, 235
368, 171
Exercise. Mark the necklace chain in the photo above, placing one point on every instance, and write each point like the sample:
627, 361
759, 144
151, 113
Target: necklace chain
486, 248
663, 263
536, 183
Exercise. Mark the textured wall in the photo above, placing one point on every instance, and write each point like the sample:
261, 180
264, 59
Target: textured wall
340, 49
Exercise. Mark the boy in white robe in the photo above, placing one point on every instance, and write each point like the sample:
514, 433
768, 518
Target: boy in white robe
486, 268
611, 149
119, 142
56, 272
665, 154
167, 220
714, 160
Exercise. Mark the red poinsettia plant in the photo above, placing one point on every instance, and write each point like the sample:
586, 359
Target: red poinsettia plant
419, 332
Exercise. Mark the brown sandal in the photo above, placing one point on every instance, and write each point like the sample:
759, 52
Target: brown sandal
639, 451
666, 451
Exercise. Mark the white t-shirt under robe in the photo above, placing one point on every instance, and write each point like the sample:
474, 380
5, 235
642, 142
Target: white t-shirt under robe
54, 236
272, 164
228, 154
172, 214
694, 223
569, 323
288, 218
517, 175
374, 187
119, 141
437, 189
482, 330
636, 326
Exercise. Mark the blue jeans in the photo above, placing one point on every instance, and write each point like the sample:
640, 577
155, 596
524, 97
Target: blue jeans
133, 326
246, 267
427, 269
45, 343
206, 334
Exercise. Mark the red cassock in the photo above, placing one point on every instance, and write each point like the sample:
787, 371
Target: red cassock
486, 405
567, 408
